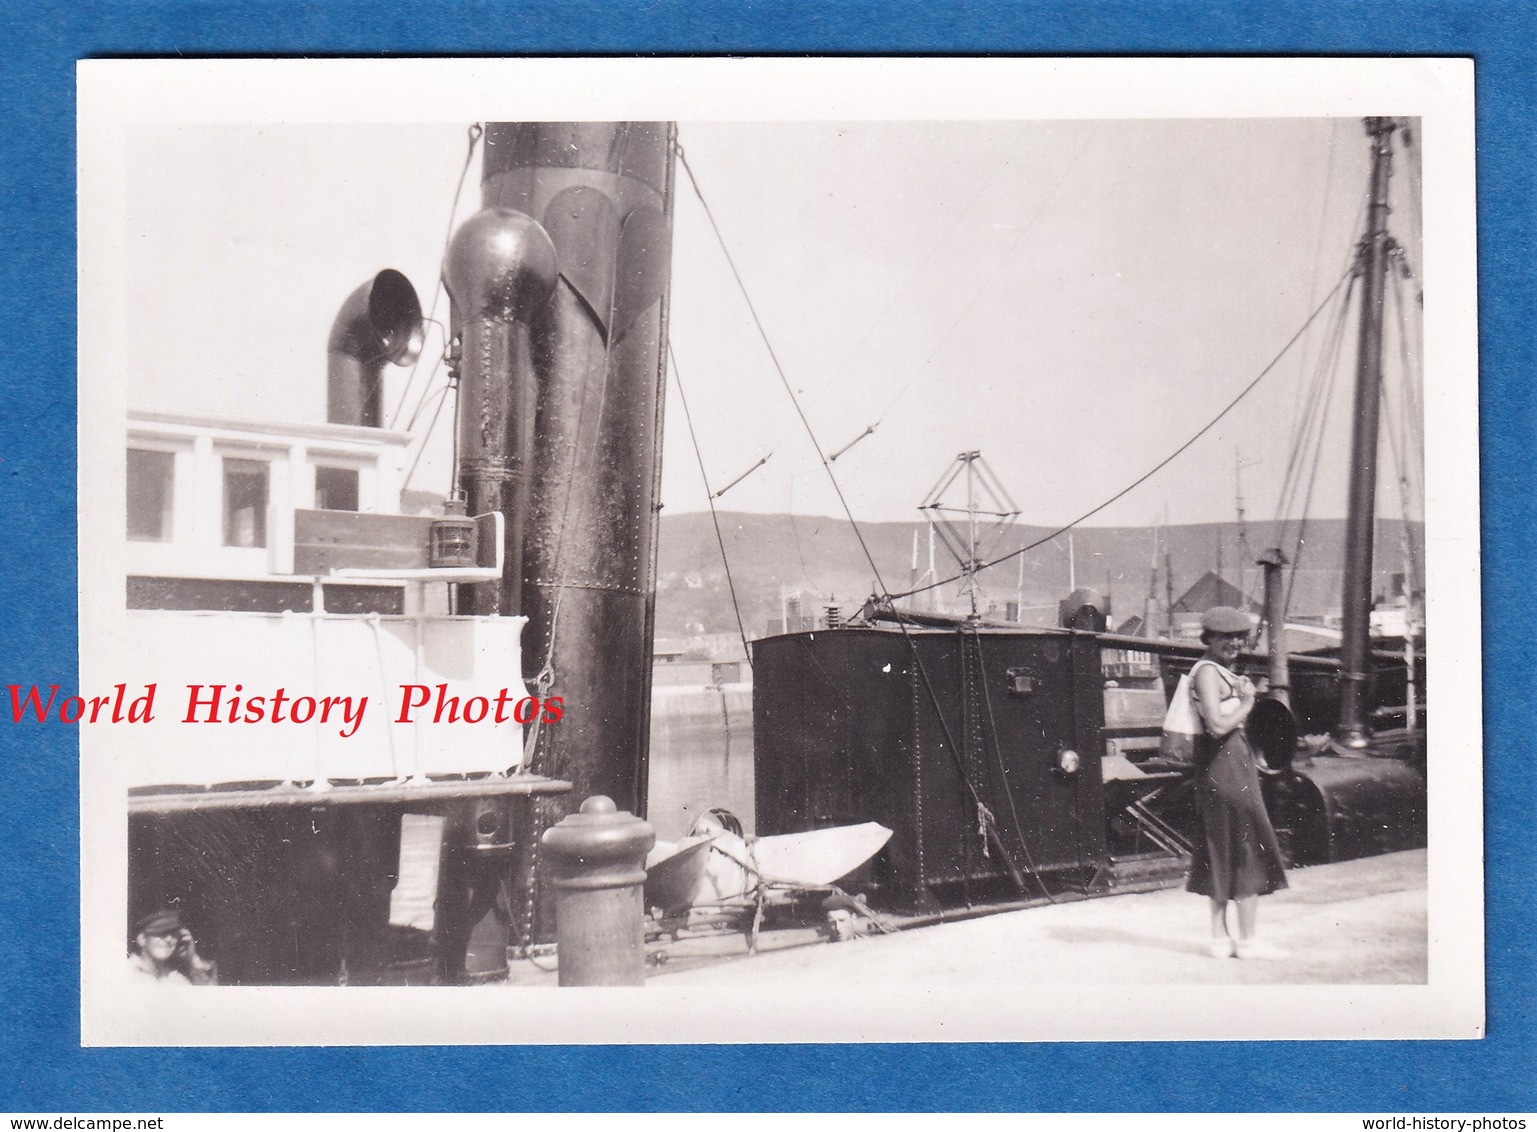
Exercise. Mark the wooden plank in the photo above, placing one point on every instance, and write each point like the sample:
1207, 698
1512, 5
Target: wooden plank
339, 541
361, 527
324, 559
329, 540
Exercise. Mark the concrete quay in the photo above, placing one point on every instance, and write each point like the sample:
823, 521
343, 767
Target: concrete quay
1358, 922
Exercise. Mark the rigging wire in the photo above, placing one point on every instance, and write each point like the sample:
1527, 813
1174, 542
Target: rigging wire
934, 250
1410, 354
1308, 431
1352, 255
1150, 473
1328, 377
987, 828
475, 132
992, 722
1306, 422
1414, 169
1412, 455
800, 552
427, 396
774, 358
1309, 427
1307, 499
976, 295
763, 454
1318, 254
1401, 474
1402, 392
1412, 412
1305, 437
677, 377
426, 436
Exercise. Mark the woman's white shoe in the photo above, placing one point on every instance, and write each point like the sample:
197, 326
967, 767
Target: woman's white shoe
1259, 949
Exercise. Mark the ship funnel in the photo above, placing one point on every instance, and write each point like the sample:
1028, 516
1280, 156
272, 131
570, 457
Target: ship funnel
602, 193
381, 322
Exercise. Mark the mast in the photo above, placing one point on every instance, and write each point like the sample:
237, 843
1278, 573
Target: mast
969, 542
1244, 552
1360, 520
1168, 589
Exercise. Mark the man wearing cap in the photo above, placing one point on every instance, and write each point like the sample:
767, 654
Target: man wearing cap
164, 952
842, 918
1237, 857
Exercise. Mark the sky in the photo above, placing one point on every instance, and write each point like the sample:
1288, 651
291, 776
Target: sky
1075, 299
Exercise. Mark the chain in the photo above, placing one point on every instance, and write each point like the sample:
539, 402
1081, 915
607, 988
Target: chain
535, 820
972, 735
531, 888
917, 771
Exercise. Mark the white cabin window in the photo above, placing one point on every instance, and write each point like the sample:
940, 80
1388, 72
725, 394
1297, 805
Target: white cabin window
245, 502
336, 489
151, 486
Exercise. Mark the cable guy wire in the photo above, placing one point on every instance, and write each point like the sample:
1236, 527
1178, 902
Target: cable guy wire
1156, 468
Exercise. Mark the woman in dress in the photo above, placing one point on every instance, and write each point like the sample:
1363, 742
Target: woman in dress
1237, 857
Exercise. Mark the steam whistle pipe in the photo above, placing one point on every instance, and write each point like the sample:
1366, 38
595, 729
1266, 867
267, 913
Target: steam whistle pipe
380, 323
500, 271
598, 860
1356, 598
1271, 563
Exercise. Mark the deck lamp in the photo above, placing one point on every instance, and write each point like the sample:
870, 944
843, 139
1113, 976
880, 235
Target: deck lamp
451, 539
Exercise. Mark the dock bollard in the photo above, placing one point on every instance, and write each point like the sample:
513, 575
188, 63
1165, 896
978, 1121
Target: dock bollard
598, 857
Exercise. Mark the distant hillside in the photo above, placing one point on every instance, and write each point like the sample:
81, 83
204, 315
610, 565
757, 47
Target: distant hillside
819, 559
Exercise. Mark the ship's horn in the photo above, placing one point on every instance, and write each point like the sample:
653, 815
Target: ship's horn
381, 322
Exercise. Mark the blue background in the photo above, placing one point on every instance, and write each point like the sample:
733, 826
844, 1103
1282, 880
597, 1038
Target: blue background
42, 1067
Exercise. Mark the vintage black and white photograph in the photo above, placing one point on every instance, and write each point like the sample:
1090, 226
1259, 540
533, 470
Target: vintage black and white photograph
814, 550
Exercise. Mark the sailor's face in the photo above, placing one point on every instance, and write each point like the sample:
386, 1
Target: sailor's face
1227, 647
840, 924
157, 946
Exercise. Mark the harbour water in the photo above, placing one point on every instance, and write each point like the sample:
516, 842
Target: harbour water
701, 755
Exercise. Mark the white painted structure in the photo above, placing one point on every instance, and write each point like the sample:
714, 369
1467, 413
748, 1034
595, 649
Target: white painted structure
364, 658
214, 499
194, 540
